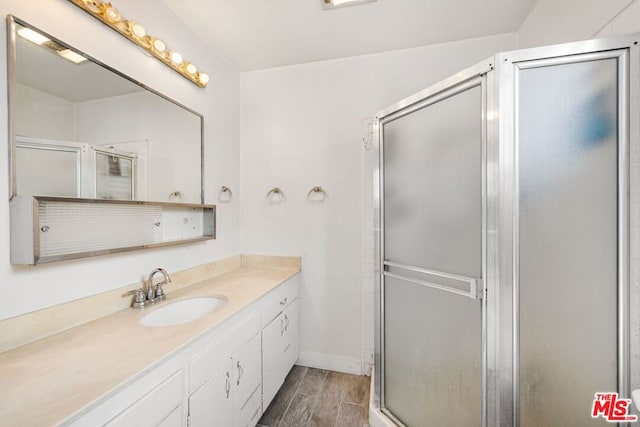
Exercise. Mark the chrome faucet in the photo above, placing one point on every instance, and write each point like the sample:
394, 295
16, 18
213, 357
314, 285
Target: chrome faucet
150, 294
155, 293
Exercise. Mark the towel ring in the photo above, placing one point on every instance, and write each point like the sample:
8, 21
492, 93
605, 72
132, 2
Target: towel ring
225, 195
175, 195
317, 194
275, 195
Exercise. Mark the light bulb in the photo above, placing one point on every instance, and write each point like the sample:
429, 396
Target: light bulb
176, 58
113, 14
159, 45
138, 31
93, 5
191, 69
204, 78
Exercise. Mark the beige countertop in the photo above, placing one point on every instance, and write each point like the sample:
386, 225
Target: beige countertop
45, 382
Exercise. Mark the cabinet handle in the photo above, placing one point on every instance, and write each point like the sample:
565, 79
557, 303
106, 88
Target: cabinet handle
227, 386
240, 372
281, 326
284, 301
286, 325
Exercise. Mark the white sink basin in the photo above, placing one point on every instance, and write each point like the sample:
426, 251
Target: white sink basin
183, 311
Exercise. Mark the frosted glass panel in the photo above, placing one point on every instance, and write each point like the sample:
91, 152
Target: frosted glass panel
568, 242
433, 186
81, 227
433, 370
73, 227
114, 177
433, 221
35, 177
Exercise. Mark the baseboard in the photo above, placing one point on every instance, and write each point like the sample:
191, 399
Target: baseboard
368, 369
331, 362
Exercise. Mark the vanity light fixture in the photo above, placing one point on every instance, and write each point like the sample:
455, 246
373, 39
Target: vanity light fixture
43, 41
110, 16
70, 55
332, 4
32, 36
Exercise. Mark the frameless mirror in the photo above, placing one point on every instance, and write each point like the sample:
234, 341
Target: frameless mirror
82, 129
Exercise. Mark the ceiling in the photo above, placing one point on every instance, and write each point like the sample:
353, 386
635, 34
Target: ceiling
42, 69
257, 34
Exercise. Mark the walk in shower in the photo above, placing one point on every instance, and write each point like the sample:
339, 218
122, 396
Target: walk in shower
507, 229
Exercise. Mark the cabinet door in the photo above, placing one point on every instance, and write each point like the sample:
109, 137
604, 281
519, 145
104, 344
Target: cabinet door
173, 420
290, 350
153, 408
246, 381
211, 404
272, 363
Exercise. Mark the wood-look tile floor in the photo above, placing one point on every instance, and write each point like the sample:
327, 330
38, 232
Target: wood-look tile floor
317, 398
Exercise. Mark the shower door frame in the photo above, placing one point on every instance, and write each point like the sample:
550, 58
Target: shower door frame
478, 75
500, 393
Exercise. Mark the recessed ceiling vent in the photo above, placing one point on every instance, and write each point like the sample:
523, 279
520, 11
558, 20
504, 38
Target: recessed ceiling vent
332, 4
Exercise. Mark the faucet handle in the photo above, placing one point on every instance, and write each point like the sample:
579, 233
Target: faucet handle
139, 300
160, 295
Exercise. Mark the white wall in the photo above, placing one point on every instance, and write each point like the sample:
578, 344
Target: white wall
173, 152
553, 21
301, 127
55, 117
25, 289
626, 22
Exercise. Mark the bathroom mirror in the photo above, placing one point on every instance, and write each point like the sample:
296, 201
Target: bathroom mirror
82, 129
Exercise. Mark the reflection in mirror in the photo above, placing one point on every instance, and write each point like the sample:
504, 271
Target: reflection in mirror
83, 130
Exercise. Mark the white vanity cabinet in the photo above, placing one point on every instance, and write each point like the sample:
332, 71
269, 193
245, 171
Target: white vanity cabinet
224, 379
280, 346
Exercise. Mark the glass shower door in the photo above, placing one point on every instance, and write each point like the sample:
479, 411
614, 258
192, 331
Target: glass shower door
432, 237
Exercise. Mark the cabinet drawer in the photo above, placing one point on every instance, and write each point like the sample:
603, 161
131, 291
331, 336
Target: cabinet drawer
154, 407
280, 300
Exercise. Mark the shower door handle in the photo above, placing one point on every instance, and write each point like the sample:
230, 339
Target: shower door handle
408, 273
